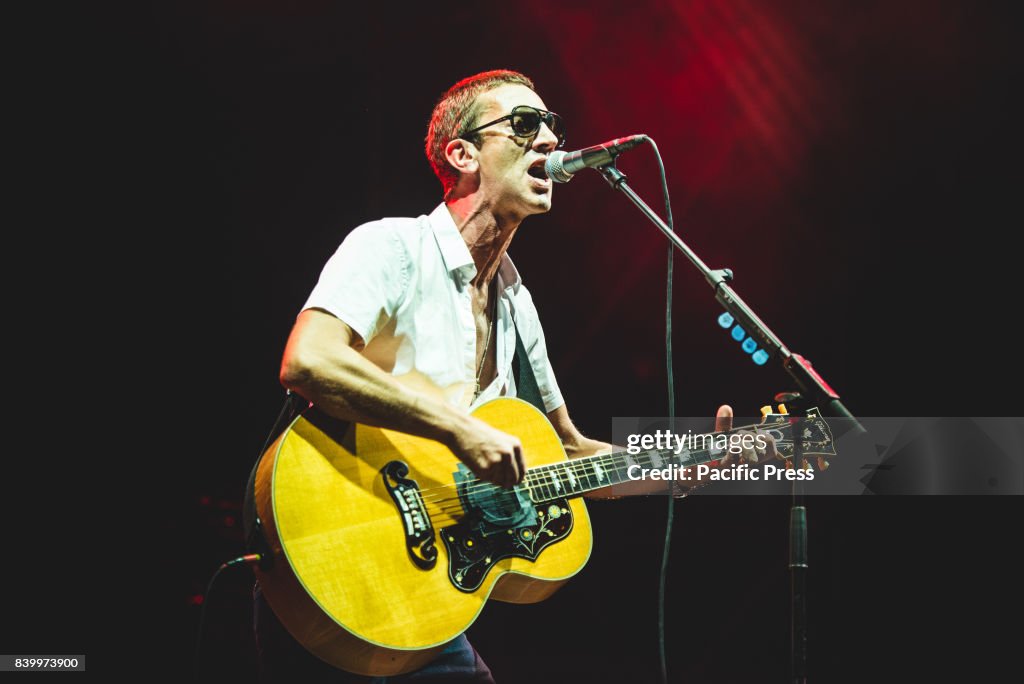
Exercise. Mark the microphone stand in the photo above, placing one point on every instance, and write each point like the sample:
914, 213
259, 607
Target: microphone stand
813, 389
798, 571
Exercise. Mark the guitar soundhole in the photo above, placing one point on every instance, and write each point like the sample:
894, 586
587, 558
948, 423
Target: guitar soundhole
476, 543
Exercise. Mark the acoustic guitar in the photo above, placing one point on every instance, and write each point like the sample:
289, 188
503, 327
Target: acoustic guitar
384, 546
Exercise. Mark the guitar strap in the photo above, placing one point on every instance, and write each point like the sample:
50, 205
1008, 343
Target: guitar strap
522, 371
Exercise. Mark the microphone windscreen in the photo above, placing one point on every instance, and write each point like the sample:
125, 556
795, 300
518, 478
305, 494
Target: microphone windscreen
554, 169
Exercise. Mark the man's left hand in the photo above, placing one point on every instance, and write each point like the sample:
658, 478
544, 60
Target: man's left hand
753, 455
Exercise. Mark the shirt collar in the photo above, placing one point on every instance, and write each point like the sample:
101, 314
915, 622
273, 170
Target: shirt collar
457, 258
508, 275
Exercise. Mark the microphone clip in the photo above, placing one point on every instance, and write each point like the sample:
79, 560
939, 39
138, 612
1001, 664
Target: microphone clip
611, 174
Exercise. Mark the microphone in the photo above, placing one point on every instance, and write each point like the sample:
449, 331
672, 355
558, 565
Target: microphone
560, 166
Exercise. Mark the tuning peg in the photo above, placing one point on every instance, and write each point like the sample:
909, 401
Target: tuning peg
783, 410
765, 411
822, 464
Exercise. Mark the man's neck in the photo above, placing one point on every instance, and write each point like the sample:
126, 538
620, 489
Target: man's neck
487, 235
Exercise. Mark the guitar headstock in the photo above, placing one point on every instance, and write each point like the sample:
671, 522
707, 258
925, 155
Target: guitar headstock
812, 431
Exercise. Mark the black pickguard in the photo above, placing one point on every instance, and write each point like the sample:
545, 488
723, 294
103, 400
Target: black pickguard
475, 545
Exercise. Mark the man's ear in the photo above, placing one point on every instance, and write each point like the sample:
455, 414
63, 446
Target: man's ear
462, 155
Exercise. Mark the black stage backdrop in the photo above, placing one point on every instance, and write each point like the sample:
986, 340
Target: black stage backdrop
851, 161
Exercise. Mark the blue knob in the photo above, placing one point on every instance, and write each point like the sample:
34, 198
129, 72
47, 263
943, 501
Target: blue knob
760, 357
738, 333
749, 345
725, 320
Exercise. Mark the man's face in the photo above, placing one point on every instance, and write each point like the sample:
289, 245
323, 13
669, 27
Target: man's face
512, 167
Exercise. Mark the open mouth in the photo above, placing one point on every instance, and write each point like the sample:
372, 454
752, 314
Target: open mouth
537, 171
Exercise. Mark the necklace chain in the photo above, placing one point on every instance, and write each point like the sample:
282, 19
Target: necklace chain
487, 343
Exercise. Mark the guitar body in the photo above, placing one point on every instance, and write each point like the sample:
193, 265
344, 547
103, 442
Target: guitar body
366, 583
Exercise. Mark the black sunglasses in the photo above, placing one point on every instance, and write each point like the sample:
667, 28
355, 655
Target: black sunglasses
526, 121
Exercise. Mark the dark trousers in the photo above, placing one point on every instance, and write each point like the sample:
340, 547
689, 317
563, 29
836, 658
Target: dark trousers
282, 659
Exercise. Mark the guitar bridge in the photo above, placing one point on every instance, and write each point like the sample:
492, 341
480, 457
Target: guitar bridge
419, 531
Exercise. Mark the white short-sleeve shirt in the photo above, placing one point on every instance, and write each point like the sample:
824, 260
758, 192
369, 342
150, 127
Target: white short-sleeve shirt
403, 285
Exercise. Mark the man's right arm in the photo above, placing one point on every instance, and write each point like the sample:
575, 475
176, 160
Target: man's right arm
321, 363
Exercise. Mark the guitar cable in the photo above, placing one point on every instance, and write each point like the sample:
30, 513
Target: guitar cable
670, 517
248, 559
290, 407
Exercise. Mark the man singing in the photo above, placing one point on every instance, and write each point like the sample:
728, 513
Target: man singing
437, 297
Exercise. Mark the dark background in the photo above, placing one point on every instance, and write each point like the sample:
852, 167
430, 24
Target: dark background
852, 162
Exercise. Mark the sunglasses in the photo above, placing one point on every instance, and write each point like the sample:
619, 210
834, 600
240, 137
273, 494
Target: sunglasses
526, 121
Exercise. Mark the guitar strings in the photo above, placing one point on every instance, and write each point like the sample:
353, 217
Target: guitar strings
582, 462
615, 460
539, 480
613, 464
536, 478
546, 480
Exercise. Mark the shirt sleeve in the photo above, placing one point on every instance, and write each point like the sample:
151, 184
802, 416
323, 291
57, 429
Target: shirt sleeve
364, 281
528, 323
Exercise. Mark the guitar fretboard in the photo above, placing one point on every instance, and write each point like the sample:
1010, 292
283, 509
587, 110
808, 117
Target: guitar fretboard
578, 476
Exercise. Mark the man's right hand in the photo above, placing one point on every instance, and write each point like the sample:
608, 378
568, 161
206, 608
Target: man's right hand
491, 454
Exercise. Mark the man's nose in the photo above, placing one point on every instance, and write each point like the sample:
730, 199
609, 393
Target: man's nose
546, 140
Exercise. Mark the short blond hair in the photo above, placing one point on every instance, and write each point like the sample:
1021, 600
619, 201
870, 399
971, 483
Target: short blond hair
456, 112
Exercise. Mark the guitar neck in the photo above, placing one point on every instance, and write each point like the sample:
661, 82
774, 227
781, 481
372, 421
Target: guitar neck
578, 476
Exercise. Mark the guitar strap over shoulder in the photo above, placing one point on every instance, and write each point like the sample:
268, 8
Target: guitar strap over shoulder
526, 382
